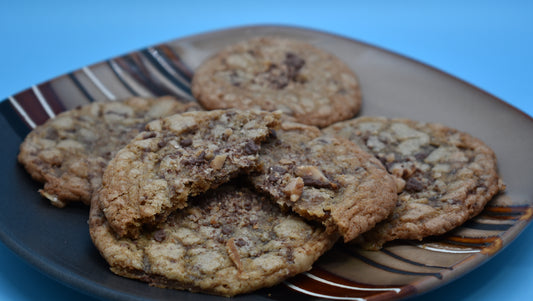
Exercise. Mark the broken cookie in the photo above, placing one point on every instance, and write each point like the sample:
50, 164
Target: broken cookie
178, 157
325, 179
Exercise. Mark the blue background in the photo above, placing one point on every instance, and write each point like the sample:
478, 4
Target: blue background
486, 43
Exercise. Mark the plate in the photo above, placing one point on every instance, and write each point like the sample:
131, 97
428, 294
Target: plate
394, 86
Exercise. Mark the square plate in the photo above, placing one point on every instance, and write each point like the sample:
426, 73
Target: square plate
57, 241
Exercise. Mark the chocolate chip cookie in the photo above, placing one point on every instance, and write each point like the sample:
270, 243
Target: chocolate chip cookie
178, 157
271, 73
326, 179
444, 176
229, 241
69, 152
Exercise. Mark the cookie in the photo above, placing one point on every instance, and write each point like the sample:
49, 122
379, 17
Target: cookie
177, 157
326, 179
69, 152
271, 73
444, 176
229, 241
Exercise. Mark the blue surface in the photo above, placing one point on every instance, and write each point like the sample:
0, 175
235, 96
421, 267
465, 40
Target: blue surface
486, 43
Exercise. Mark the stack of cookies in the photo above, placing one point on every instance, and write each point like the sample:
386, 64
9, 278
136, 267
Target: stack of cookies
252, 184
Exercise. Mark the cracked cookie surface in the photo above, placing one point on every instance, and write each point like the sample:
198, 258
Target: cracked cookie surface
178, 157
327, 179
444, 176
271, 73
229, 241
69, 152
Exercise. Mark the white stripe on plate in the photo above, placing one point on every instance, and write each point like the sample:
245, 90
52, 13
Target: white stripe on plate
442, 250
301, 290
356, 288
43, 102
21, 111
128, 81
98, 83
166, 66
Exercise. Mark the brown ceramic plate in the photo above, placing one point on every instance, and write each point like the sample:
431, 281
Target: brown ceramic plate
57, 241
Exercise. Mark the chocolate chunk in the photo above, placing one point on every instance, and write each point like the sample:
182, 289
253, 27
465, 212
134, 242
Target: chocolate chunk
160, 235
239, 242
279, 82
426, 150
279, 169
201, 157
251, 148
273, 178
383, 161
273, 134
226, 230
294, 64
195, 161
149, 135
414, 185
234, 79
186, 142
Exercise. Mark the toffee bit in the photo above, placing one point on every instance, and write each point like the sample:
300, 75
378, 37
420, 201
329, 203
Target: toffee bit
218, 162
294, 189
312, 176
233, 253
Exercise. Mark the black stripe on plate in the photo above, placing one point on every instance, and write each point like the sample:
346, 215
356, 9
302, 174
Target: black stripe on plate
139, 72
175, 60
121, 79
508, 212
12, 117
80, 87
388, 268
50, 95
511, 215
396, 256
487, 227
165, 73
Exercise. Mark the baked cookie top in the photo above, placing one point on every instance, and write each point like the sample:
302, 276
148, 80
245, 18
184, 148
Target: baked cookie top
271, 73
228, 241
178, 157
69, 152
444, 176
327, 179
